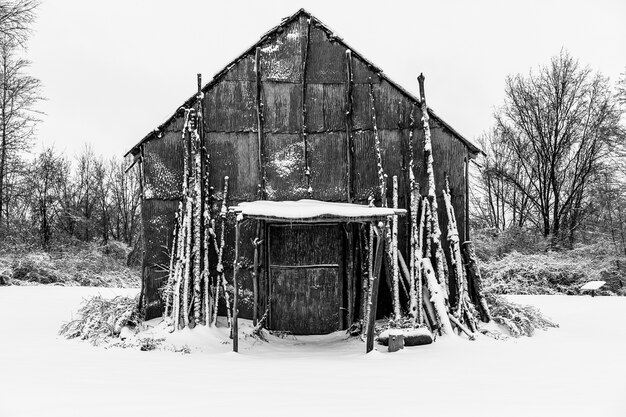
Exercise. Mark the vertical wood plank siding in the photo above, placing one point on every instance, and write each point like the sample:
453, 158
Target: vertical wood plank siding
299, 81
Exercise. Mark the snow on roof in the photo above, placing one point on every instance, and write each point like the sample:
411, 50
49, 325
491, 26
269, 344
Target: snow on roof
312, 210
217, 77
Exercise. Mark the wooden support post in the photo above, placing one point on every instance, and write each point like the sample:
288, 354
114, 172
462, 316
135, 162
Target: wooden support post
236, 288
255, 276
260, 120
373, 299
429, 310
394, 253
396, 341
307, 165
349, 271
349, 123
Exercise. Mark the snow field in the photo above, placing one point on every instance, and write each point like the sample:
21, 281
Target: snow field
577, 369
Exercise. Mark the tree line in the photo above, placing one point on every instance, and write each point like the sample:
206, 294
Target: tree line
47, 197
53, 198
554, 160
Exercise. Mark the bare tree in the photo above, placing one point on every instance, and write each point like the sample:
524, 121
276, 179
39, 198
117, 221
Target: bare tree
496, 201
16, 18
125, 200
46, 180
559, 125
19, 93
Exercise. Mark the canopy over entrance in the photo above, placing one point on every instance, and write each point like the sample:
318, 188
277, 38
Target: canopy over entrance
313, 211
292, 282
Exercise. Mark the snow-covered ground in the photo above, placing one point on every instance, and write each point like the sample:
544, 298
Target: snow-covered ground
577, 369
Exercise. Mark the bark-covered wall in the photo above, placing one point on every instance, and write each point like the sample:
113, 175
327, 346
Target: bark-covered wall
301, 77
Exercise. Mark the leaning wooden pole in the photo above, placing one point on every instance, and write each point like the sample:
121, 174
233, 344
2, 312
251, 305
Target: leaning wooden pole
455, 252
255, 277
415, 244
236, 287
373, 292
473, 274
439, 258
394, 253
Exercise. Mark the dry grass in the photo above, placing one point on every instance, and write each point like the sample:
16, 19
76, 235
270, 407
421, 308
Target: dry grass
100, 319
518, 319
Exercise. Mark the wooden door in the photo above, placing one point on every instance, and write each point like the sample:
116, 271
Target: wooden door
306, 278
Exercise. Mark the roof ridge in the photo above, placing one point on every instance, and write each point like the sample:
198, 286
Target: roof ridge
334, 37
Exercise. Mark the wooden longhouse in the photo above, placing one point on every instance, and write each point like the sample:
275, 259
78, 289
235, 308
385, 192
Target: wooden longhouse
295, 117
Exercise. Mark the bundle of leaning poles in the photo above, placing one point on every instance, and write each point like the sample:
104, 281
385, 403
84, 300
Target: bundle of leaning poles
193, 295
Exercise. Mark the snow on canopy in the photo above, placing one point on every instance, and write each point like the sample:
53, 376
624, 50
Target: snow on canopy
313, 210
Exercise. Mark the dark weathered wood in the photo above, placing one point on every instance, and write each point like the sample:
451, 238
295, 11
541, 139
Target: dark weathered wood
474, 277
328, 165
307, 285
234, 155
396, 342
325, 58
371, 320
430, 310
257, 110
236, 291
305, 53
162, 166
231, 107
282, 54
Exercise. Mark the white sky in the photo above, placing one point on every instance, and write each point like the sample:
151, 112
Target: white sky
112, 71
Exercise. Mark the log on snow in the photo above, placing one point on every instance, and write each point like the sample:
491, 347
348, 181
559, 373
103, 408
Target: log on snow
373, 293
436, 296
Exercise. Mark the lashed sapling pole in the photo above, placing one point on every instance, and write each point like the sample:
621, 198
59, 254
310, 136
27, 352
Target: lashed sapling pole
235, 327
170, 278
188, 223
220, 265
197, 219
255, 277
455, 252
415, 246
373, 292
394, 253
438, 255
370, 273
473, 275
436, 296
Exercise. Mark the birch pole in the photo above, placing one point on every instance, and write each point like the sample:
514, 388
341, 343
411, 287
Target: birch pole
188, 224
220, 264
370, 274
455, 252
415, 255
394, 253
379, 158
170, 278
197, 219
436, 296
432, 196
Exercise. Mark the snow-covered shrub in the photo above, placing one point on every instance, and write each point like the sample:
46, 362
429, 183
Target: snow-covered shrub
519, 320
70, 265
102, 318
493, 244
551, 272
